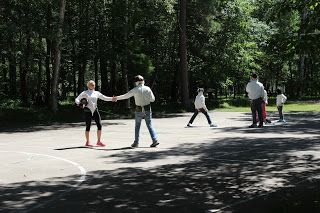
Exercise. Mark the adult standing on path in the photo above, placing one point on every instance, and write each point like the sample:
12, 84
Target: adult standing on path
143, 96
255, 91
91, 110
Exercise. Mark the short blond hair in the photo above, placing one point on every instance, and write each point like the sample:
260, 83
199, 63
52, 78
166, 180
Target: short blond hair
91, 82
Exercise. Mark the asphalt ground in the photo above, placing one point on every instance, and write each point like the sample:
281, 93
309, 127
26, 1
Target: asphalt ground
227, 169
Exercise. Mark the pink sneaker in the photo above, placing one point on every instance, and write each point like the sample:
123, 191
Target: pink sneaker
88, 144
100, 144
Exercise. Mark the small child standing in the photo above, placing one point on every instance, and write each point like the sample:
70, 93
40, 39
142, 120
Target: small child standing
200, 106
263, 107
281, 99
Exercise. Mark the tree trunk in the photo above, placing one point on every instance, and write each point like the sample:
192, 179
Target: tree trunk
103, 59
48, 56
124, 68
12, 73
113, 80
96, 71
39, 79
124, 63
104, 73
5, 73
82, 70
183, 55
302, 53
57, 57
74, 68
83, 39
24, 70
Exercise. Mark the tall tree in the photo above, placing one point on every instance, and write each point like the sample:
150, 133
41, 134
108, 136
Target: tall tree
57, 57
183, 55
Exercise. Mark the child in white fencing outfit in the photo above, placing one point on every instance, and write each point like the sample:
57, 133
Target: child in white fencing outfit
263, 107
200, 106
281, 99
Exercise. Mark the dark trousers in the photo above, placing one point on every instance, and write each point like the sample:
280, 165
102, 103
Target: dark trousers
280, 112
256, 106
196, 112
89, 117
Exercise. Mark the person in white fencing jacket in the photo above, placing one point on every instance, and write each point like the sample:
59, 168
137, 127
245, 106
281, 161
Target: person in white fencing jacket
255, 91
281, 99
91, 111
200, 106
143, 96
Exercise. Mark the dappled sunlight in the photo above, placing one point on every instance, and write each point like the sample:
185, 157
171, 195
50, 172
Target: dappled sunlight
213, 176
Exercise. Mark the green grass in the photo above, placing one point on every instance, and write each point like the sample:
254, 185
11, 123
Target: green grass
11, 114
288, 107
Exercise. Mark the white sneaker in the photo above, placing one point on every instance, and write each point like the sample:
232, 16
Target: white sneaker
213, 125
189, 125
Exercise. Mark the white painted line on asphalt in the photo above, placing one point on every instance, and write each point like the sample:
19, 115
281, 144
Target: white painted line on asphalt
15, 145
79, 181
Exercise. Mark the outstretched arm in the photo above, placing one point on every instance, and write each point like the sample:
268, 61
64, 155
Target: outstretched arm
125, 96
104, 98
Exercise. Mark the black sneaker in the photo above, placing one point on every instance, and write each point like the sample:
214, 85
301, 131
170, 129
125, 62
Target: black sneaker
154, 144
134, 145
253, 126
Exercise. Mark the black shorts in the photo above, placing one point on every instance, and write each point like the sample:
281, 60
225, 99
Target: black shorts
89, 117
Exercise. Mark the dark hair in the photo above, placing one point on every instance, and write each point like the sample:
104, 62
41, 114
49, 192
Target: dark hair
279, 91
254, 75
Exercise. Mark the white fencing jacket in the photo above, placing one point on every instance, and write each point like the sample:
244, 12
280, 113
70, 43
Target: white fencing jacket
92, 96
200, 101
281, 99
143, 95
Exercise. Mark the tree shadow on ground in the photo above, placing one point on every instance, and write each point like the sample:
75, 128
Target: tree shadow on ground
298, 123
32, 127
54, 126
232, 175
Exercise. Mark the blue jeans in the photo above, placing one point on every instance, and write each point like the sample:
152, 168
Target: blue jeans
147, 115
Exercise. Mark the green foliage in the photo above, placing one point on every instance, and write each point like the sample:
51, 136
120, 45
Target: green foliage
108, 39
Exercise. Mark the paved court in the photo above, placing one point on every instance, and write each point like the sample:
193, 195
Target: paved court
227, 169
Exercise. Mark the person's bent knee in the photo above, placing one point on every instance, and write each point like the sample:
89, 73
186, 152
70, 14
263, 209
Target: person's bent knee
99, 127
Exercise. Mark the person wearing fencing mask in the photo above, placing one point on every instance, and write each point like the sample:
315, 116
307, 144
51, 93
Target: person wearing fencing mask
143, 97
200, 106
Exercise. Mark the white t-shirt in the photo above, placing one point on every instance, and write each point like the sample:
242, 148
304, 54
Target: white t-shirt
143, 95
255, 89
281, 99
92, 96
